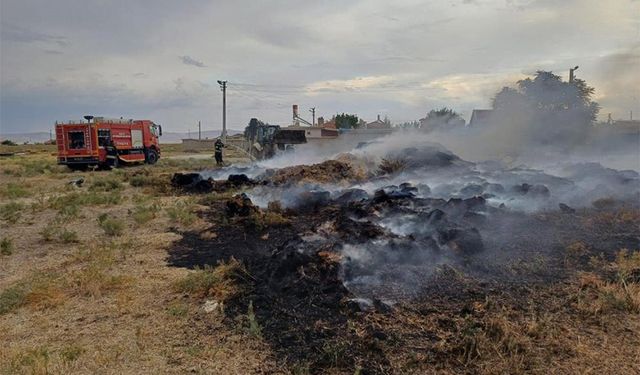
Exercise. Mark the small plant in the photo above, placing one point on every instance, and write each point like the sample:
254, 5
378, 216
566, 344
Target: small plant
49, 232
13, 190
71, 353
178, 310
111, 225
68, 236
182, 213
11, 212
69, 211
93, 281
254, 327
106, 184
12, 298
6, 246
220, 282
44, 292
144, 214
54, 231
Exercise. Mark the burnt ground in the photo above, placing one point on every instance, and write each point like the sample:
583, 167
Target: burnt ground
465, 315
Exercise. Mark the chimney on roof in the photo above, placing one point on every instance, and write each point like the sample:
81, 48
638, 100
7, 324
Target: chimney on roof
378, 117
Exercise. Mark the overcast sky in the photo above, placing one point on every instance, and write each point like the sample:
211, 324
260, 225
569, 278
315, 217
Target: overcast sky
160, 59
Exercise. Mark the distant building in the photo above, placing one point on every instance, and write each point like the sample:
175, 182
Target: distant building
480, 117
378, 124
316, 132
631, 125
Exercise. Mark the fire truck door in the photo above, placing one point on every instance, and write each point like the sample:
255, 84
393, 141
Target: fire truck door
136, 138
104, 136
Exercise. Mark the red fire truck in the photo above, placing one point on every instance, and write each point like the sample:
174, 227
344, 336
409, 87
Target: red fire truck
107, 142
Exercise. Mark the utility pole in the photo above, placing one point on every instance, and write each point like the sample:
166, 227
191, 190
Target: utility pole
572, 74
313, 116
223, 87
199, 132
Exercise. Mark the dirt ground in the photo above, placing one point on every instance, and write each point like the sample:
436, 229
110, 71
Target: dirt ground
124, 274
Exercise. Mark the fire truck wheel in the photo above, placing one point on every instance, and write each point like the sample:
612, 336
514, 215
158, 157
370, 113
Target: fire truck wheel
152, 157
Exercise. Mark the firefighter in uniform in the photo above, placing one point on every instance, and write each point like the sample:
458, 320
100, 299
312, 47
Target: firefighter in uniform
218, 151
112, 153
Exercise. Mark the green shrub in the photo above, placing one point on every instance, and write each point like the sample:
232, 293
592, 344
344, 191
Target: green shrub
11, 212
110, 225
6, 246
182, 213
13, 190
71, 353
68, 236
30, 168
55, 232
12, 298
92, 198
106, 184
144, 214
219, 282
159, 184
69, 211
49, 232
178, 310
254, 327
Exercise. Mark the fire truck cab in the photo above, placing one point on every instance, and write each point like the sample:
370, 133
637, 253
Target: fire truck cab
107, 142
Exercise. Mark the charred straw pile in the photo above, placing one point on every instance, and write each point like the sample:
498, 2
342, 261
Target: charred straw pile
340, 276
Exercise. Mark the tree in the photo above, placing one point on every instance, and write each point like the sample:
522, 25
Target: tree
548, 109
441, 119
387, 122
409, 125
346, 121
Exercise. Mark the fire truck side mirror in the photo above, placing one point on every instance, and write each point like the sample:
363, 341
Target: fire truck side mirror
160, 130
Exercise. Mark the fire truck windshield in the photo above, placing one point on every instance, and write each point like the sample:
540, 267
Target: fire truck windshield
76, 140
154, 129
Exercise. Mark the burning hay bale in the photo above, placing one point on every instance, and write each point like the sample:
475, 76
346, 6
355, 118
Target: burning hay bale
240, 205
196, 183
330, 171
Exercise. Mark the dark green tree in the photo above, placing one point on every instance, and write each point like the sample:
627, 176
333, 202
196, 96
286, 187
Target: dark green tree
550, 110
441, 119
346, 121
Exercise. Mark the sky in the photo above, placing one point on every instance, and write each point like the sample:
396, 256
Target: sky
161, 59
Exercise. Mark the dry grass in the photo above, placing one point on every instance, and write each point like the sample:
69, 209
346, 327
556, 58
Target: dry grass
391, 166
219, 282
89, 302
112, 226
182, 212
598, 295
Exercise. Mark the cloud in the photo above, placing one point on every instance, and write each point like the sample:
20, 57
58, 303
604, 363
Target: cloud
354, 84
363, 56
188, 60
19, 34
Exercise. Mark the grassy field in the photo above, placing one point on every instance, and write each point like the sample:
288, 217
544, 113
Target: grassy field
85, 288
